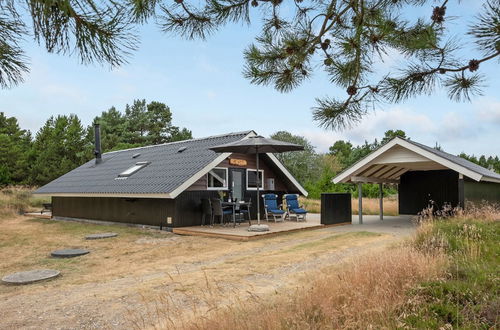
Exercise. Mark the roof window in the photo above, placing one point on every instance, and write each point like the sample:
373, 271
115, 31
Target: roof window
128, 172
136, 155
181, 149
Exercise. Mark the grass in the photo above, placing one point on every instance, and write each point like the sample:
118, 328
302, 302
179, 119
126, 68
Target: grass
370, 205
468, 296
17, 200
445, 277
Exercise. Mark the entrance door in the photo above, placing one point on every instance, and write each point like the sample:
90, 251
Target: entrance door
237, 187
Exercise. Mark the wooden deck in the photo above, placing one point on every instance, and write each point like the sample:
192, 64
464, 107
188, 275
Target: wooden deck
44, 215
241, 233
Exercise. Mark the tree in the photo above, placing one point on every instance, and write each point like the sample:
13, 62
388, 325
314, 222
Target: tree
391, 134
304, 165
142, 124
15, 145
342, 37
96, 31
57, 149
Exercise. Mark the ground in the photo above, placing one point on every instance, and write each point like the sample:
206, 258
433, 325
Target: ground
128, 280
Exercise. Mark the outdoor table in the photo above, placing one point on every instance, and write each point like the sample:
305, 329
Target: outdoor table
233, 205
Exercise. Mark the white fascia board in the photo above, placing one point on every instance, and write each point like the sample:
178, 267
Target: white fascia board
488, 179
117, 195
177, 191
288, 174
344, 176
186, 184
440, 160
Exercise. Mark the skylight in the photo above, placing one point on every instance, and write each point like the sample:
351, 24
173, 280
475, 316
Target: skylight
128, 172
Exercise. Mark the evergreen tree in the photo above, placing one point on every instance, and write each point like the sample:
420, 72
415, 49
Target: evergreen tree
343, 38
15, 145
57, 148
304, 165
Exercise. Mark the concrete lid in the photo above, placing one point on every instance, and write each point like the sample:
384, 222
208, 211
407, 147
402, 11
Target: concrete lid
31, 276
69, 253
101, 235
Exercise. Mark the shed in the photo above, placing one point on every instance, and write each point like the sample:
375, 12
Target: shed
424, 175
162, 185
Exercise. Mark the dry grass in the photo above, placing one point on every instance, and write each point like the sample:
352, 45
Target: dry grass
19, 199
370, 205
130, 270
363, 293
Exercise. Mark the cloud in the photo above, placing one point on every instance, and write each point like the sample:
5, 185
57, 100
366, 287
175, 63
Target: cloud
489, 111
450, 127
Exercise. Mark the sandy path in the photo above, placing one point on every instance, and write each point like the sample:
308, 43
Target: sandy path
259, 267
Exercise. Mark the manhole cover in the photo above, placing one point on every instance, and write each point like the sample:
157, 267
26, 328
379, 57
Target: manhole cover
101, 235
69, 253
31, 276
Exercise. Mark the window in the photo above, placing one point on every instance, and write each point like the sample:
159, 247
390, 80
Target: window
252, 179
128, 172
217, 178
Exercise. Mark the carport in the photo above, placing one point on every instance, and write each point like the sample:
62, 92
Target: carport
424, 176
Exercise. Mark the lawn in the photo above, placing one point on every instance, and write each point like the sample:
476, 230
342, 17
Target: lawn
123, 278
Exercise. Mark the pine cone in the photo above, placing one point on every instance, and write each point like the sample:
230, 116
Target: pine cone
289, 50
325, 44
352, 90
442, 71
438, 14
254, 3
473, 65
328, 61
179, 1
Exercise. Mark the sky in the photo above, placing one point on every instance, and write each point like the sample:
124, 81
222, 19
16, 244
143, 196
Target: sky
203, 84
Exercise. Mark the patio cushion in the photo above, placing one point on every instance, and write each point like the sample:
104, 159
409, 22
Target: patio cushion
298, 211
292, 202
276, 211
271, 202
227, 211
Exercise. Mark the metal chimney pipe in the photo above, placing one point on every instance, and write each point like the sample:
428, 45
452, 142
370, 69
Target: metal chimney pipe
97, 142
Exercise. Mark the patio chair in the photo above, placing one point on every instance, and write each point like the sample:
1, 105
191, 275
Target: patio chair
244, 209
206, 210
271, 208
219, 211
293, 208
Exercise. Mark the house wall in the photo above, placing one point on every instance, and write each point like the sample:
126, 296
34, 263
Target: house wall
201, 184
418, 188
146, 211
481, 191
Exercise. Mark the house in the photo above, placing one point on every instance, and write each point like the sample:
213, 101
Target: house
162, 185
424, 174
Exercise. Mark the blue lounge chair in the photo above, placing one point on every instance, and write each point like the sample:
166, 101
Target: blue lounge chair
293, 208
272, 209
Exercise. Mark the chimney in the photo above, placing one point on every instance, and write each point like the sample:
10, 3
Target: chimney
97, 151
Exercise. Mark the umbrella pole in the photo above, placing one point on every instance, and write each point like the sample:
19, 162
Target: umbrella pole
258, 184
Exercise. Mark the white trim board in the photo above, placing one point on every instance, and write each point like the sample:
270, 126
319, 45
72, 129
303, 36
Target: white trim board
371, 159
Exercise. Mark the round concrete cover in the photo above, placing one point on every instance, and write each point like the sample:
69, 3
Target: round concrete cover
258, 228
30, 276
101, 235
69, 253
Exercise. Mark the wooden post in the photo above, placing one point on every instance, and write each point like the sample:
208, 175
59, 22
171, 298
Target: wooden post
360, 202
381, 190
461, 195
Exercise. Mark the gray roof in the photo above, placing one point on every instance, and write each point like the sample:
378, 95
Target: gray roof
459, 161
166, 172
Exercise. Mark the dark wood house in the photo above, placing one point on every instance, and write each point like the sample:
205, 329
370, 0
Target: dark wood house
162, 185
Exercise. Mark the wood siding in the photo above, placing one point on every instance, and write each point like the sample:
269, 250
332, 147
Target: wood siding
418, 188
201, 184
146, 211
481, 191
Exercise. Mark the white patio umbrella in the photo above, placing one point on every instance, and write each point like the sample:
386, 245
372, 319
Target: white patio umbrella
257, 145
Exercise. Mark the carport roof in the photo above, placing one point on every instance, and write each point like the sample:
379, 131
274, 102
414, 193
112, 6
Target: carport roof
398, 156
